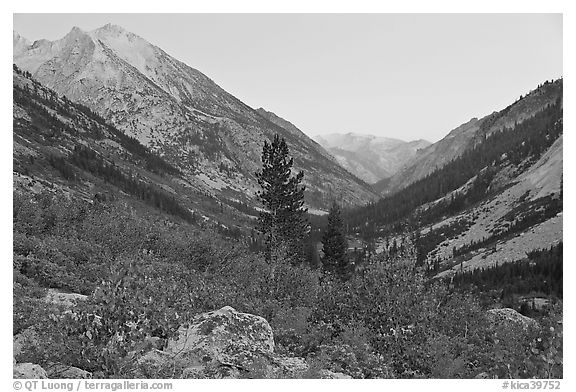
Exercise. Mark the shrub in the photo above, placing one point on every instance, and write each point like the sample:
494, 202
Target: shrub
146, 276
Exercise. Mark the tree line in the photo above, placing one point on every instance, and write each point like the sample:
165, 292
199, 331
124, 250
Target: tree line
88, 160
540, 273
39, 98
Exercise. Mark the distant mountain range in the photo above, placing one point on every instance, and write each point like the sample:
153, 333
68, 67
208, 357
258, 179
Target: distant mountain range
179, 113
369, 157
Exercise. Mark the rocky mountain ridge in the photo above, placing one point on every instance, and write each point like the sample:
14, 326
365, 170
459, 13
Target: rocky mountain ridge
468, 134
177, 112
369, 157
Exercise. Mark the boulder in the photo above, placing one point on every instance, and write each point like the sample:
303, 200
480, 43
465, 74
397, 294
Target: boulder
68, 300
509, 318
222, 344
224, 336
29, 370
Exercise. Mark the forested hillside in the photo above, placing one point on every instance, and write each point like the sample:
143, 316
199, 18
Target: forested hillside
520, 146
462, 138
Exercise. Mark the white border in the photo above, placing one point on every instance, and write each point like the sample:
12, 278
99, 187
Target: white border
304, 6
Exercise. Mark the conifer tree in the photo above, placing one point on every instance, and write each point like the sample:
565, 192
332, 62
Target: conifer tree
335, 244
283, 221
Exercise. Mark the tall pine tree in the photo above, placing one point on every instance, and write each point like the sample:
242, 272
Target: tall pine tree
335, 244
283, 221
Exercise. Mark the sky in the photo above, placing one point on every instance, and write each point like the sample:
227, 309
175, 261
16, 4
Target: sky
405, 76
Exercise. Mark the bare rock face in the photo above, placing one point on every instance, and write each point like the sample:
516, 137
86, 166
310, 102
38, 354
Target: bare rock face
29, 370
509, 318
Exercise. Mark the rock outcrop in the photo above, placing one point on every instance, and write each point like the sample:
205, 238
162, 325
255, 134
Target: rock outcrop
29, 370
226, 336
68, 300
218, 344
222, 344
509, 318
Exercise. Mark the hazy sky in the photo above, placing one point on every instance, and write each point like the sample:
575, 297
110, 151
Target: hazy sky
407, 76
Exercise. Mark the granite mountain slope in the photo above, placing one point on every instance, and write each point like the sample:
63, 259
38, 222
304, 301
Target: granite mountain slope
62, 147
177, 112
497, 202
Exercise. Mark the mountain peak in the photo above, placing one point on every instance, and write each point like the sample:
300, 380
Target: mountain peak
19, 43
111, 28
371, 158
112, 32
75, 31
18, 39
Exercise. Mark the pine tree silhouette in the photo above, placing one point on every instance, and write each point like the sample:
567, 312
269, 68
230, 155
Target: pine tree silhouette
335, 244
283, 221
